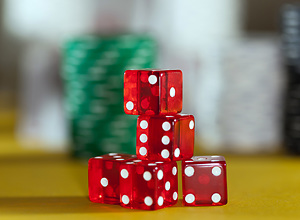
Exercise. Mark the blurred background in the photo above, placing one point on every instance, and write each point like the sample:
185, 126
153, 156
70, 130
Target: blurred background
62, 65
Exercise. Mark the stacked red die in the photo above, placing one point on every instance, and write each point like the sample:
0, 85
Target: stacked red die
152, 92
163, 137
148, 185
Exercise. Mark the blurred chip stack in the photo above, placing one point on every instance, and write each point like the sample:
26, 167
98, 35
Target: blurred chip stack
291, 53
93, 71
250, 104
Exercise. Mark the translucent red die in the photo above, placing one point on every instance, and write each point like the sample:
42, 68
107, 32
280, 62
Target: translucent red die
152, 92
204, 181
162, 137
148, 185
103, 176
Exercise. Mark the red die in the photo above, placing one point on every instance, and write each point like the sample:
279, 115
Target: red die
204, 181
103, 174
152, 92
148, 185
161, 137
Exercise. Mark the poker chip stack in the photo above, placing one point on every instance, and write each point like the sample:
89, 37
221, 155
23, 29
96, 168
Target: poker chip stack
250, 110
93, 68
291, 53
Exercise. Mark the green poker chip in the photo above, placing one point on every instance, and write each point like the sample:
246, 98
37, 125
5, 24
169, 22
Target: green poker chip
92, 72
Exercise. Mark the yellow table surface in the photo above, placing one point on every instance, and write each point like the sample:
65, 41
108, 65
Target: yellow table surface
38, 185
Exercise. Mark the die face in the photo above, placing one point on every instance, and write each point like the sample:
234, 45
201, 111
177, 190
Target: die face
184, 135
141, 92
154, 141
131, 92
171, 92
204, 181
206, 159
103, 175
152, 92
116, 157
148, 185
165, 138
